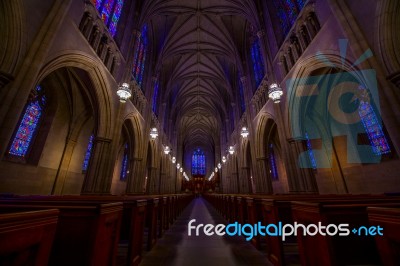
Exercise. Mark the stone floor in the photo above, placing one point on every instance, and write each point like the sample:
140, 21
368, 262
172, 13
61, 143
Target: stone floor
177, 248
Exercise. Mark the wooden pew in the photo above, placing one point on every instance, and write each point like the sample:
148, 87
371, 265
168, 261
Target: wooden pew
26, 238
87, 233
151, 221
337, 250
388, 244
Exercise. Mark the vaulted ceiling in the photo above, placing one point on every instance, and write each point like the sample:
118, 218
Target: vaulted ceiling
199, 56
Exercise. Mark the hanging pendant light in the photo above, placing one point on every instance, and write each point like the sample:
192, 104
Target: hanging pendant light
275, 93
124, 93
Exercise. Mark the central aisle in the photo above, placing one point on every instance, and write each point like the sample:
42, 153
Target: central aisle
177, 248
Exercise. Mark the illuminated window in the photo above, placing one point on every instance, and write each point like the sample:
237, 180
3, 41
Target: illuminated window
110, 11
88, 153
287, 12
310, 153
140, 57
373, 129
125, 163
198, 163
155, 99
272, 163
241, 95
258, 62
29, 124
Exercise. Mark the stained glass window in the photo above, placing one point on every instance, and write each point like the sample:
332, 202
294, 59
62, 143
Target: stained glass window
198, 162
272, 162
88, 153
140, 57
258, 62
125, 163
310, 152
29, 124
155, 98
287, 12
241, 95
110, 11
373, 129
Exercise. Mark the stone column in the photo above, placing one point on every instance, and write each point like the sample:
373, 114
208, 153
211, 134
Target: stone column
245, 180
97, 173
135, 181
263, 180
152, 180
63, 169
306, 175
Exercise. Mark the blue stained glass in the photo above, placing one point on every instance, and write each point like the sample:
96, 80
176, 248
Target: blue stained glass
110, 12
88, 153
125, 164
140, 57
241, 95
272, 162
198, 163
258, 62
373, 129
310, 153
155, 98
29, 125
97, 3
107, 10
115, 17
287, 12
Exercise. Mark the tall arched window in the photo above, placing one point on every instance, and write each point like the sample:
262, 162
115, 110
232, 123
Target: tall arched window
198, 162
110, 11
88, 154
29, 124
272, 162
258, 62
310, 153
287, 12
241, 96
155, 99
139, 60
125, 163
373, 128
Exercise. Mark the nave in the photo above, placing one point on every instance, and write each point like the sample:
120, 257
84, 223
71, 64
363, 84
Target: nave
177, 248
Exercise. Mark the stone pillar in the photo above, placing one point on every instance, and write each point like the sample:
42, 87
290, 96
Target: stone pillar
245, 180
263, 180
97, 173
306, 175
63, 169
135, 181
152, 180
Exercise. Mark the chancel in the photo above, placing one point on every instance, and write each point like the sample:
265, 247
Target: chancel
271, 126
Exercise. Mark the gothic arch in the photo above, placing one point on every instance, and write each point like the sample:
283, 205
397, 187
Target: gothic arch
387, 37
100, 94
12, 36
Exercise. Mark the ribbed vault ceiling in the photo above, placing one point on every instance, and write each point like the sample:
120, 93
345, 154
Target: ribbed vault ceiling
198, 57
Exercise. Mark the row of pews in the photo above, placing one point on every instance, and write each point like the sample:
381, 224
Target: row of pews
83, 230
355, 210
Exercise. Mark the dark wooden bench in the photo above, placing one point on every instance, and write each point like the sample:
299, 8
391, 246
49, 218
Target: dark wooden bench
87, 233
26, 238
337, 250
389, 244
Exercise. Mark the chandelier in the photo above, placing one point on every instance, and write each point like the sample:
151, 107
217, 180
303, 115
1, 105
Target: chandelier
275, 93
124, 93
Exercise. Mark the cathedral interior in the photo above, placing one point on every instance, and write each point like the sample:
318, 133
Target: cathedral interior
224, 110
